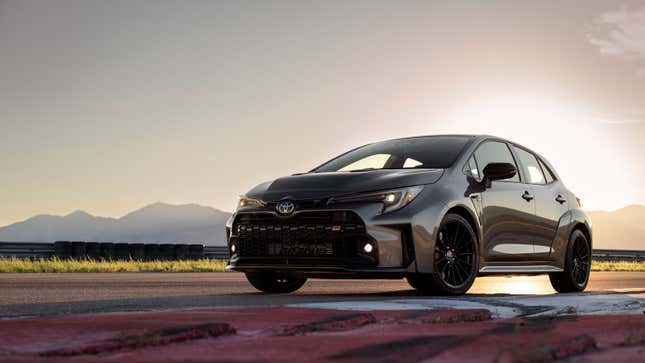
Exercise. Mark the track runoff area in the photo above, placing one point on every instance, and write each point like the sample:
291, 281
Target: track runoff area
321, 324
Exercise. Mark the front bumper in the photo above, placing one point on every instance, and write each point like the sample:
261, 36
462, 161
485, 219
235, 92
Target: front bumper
255, 233
314, 271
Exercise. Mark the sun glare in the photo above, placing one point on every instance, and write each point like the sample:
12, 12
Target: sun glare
520, 285
569, 137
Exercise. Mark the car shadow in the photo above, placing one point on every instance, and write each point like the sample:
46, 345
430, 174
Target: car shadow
235, 300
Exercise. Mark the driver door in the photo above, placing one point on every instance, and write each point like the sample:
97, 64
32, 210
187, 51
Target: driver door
507, 208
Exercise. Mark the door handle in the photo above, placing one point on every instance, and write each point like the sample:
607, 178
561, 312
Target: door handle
560, 199
527, 196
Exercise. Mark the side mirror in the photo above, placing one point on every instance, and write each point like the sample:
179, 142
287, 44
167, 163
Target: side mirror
498, 171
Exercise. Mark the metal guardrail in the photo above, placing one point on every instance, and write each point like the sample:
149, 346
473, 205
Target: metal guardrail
618, 255
26, 249
216, 252
65, 249
36, 250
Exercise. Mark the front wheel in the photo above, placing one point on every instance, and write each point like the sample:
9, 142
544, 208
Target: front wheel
455, 260
577, 265
276, 282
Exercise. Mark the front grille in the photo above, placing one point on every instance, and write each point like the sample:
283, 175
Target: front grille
258, 234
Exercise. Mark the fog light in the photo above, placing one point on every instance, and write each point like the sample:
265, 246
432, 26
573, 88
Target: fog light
233, 248
368, 248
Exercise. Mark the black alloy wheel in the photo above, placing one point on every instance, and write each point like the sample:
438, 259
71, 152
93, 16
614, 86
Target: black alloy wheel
454, 254
581, 261
577, 267
455, 259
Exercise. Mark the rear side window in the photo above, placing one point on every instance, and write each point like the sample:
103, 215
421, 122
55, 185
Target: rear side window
530, 166
548, 174
494, 152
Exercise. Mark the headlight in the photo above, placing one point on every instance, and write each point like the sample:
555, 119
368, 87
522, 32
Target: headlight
250, 202
391, 199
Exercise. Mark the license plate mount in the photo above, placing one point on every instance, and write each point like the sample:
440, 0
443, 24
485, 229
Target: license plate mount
301, 249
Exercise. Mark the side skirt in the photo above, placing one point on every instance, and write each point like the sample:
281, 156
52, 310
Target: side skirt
519, 269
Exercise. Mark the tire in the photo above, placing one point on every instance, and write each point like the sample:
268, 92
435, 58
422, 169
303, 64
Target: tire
416, 281
152, 252
107, 251
181, 252
78, 250
167, 252
196, 252
577, 265
63, 250
456, 260
93, 250
275, 282
137, 251
121, 251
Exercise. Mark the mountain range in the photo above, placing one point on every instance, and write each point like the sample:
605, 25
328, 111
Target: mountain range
159, 222
620, 229
191, 223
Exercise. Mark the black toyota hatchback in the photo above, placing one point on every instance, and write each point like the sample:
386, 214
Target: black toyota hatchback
436, 210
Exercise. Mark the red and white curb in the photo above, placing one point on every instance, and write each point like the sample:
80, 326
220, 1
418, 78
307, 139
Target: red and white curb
506, 306
587, 327
290, 334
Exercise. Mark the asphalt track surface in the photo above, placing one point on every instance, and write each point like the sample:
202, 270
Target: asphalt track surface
218, 317
23, 295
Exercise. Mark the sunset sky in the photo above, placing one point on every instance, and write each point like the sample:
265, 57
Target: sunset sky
107, 106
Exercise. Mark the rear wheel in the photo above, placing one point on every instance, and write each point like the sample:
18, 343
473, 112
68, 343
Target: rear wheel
455, 260
276, 282
577, 265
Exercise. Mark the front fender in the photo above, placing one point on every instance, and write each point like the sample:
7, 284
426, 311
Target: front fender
229, 226
425, 225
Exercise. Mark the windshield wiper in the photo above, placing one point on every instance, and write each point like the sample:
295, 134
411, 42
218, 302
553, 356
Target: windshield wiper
364, 169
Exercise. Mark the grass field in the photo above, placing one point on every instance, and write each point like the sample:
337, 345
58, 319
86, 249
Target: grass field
624, 266
205, 265
57, 265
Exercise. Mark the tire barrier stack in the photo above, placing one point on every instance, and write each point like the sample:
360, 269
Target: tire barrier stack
181, 252
78, 250
166, 252
121, 251
63, 250
93, 250
108, 251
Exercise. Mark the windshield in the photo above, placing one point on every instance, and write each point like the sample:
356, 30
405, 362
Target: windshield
436, 152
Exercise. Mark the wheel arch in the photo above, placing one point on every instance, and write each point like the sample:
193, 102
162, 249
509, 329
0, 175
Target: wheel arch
436, 284
585, 230
468, 215
565, 281
581, 221
426, 223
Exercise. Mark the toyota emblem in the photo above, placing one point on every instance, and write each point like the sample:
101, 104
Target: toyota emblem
285, 207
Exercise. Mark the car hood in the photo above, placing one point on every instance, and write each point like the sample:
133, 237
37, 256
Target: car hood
324, 185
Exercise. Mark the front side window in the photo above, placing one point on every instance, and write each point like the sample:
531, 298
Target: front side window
494, 152
428, 152
530, 166
471, 168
